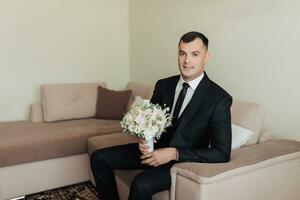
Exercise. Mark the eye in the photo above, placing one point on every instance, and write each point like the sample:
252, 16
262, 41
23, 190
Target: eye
181, 53
195, 54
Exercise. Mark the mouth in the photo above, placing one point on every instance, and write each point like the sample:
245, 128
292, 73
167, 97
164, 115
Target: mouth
187, 67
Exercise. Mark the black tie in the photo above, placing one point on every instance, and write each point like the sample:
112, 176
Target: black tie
166, 138
179, 102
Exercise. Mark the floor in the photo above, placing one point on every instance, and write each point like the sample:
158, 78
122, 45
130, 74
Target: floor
80, 191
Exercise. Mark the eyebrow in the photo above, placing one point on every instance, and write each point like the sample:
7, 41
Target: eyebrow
186, 52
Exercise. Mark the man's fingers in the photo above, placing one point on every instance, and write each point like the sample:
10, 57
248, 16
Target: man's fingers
143, 145
146, 161
150, 162
155, 164
144, 152
143, 148
142, 141
146, 156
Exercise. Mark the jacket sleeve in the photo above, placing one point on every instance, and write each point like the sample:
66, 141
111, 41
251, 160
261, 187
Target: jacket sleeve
156, 97
220, 143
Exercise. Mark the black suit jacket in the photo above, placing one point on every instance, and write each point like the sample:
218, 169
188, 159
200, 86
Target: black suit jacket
203, 132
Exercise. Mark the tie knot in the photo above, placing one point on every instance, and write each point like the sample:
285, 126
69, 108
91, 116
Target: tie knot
185, 85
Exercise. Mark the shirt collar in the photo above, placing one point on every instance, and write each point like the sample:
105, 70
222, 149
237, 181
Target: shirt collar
193, 83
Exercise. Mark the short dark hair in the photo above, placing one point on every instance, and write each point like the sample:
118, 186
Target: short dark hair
191, 36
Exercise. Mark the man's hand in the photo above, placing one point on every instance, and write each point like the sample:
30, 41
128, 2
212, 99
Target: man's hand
143, 145
159, 156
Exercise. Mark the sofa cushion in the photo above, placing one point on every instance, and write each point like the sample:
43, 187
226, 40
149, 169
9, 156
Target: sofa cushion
103, 141
142, 90
112, 104
250, 116
36, 112
69, 101
23, 142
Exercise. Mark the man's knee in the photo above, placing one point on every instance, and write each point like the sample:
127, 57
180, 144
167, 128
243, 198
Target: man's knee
98, 158
140, 186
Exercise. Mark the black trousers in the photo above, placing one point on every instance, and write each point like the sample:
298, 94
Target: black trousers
127, 157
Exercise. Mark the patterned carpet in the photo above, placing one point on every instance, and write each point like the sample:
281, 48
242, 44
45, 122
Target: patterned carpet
80, 191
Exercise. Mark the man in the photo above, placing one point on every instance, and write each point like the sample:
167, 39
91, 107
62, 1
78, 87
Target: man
200, 131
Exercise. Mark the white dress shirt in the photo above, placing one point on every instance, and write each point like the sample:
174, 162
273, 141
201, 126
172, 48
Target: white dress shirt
189, 93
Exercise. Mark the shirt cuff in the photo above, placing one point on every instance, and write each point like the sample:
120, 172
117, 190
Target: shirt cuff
177, 155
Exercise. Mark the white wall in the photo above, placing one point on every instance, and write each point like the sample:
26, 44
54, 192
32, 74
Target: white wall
254, 48
59, 41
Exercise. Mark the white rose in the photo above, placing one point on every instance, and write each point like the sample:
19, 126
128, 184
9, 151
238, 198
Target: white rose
146, 103
154, 129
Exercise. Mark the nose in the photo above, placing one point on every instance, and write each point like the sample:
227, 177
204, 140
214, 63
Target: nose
187, 58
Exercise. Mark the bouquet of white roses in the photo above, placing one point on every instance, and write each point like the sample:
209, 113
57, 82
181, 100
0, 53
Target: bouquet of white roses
146, 121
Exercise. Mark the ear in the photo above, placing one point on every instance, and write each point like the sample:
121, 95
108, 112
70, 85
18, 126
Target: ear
206, 57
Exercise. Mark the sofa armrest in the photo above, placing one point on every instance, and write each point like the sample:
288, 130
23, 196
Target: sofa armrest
36, 113
244, 163
103, 141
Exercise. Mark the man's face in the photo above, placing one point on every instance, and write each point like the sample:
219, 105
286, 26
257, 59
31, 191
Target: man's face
192, 57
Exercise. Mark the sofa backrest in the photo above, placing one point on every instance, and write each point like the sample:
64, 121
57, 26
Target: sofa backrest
69, 93
250, 116
69, 101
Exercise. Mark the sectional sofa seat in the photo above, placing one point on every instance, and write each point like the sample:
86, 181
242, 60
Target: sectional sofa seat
23, 142
50, 150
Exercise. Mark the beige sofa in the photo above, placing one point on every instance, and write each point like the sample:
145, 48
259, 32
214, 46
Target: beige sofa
263, 169
51, 151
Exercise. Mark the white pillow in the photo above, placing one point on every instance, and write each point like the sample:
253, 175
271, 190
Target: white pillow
137, 101
240, 136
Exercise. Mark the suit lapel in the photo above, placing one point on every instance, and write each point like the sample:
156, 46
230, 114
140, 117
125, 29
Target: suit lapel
191, 109
170, 92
